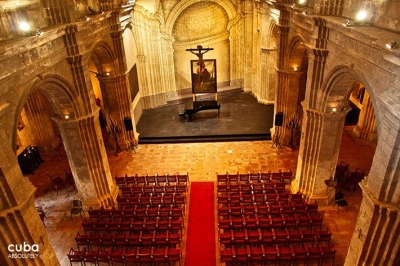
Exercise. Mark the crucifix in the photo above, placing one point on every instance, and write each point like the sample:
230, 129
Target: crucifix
201, 67
200, 53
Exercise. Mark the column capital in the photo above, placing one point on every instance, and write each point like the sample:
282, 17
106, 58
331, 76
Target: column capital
72, 120
329, 113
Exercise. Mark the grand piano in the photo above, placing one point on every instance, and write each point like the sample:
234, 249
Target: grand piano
192, 107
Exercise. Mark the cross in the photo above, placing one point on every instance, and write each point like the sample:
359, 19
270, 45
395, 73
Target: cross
200, 53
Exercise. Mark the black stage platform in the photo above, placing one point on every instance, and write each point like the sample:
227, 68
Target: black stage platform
241, 118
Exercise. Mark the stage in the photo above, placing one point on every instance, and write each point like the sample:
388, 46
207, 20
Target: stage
241, 118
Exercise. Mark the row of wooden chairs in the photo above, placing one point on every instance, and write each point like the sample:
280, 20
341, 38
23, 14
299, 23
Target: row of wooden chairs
259, 188
145, 180
145, 200
129, 240
259, 199
270, 208
280, 175
126, 256
153, 190
277, 222
269, 237
320, 254
132, 225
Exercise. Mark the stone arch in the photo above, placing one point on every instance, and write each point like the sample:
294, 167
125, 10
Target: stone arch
64, 100
337, 87
295, 54
273, 33
104, 58
182, 5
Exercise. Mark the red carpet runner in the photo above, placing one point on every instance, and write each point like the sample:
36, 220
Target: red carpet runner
200, 243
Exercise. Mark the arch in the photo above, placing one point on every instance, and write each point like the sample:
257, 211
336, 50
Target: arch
59, 93
337, 87
182, 5
296, 52
103, 57
273, 33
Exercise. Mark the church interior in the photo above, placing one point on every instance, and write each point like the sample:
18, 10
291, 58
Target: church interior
285, 132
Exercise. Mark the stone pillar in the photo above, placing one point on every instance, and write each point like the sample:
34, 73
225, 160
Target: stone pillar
87, 157
19, 220
235, 29
248, 45
318, 153
291, 95
268, 77
118, 107
375, 240
39, 120
282, 80
366, 127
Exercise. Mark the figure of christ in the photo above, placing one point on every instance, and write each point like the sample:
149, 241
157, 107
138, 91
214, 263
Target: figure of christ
202, 73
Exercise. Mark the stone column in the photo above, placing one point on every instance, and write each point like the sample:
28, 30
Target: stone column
366, 127
19, 220
375, 240
87, 157
282, 75
318, 153
235, 29
118, 107
248, 45
39, 120
291, 99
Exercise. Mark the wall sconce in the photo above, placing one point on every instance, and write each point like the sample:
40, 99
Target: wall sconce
302, 2
392, 45
362, 18
293, 5
361, 15
347, 23
24, 26
66, 117
97, 74
334, 110
295, 68
39, 33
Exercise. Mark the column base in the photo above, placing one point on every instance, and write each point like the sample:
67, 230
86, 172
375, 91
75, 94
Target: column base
320, 199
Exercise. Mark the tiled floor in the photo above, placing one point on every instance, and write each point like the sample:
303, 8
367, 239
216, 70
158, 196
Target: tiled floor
202, 161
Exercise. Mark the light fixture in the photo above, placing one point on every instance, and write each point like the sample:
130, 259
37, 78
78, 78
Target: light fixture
392, 45
361, 15
39, 33
24, 26
66, 117
302, 2
293, 5
334, 109
347, 23
295, 68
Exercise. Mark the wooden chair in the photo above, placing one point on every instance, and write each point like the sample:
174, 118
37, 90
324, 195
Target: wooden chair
76, 255
57, 183
76, 208
341, 169
324, 235
42, 214
340, 201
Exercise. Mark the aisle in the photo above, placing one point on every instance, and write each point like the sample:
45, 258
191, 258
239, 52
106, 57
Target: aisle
200, 244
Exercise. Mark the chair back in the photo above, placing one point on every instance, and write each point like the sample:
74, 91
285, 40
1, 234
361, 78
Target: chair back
339, 195
77, 203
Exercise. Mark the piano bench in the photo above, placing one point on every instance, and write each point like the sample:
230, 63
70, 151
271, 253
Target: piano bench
182, 116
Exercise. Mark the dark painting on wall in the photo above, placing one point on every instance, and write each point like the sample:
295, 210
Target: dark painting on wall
204, 76
134, 82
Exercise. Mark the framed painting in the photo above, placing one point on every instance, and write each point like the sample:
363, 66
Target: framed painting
204, 76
